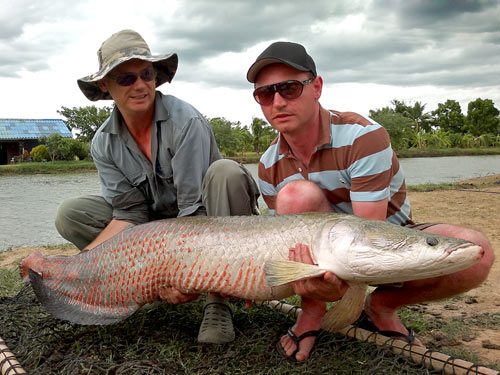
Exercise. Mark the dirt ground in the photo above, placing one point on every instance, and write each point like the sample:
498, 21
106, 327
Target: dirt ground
477, 208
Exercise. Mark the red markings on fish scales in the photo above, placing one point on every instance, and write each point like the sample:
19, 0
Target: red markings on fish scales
253, 284
221, 277
245, 280
211, 281
198, 273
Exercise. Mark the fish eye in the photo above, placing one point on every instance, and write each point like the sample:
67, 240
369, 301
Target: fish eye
432, 241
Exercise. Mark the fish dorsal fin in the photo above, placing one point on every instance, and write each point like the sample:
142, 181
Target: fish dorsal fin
279, 272
347, 310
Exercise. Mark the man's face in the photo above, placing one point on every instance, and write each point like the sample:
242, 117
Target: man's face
134, 99
290, 116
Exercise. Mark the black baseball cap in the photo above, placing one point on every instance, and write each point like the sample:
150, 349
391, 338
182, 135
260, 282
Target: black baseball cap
292, 54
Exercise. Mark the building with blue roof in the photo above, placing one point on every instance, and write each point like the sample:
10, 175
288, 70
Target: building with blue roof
18, 135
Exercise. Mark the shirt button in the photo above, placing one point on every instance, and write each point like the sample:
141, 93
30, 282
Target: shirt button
300, 170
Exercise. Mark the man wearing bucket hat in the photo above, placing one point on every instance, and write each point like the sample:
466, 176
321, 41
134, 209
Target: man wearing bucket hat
156, 158
326, 160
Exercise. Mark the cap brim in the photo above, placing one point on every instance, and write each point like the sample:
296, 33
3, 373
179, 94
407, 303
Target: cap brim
165, 65
257, 66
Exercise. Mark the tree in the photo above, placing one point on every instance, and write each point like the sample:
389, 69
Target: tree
397, 125
421, 120
224, 135
482, 118
263, 134
449, 117
85, 120
60, 148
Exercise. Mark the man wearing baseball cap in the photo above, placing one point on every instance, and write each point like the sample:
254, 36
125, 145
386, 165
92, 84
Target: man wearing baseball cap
326, 161
157, 158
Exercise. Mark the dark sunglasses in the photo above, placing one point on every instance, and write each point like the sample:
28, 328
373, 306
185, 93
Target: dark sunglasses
287, 89
128, 79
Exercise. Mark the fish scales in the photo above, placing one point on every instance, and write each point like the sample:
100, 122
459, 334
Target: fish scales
244, 257
194, 255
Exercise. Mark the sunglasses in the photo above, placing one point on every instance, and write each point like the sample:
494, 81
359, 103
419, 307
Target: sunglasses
287, 89
128, 79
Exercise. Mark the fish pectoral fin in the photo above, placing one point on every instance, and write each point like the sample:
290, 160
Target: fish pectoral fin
347, 310
279, 272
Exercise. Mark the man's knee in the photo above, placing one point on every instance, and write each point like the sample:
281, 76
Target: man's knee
66, 213
79, 220
301, 196
224, 171
479, 272
229, 189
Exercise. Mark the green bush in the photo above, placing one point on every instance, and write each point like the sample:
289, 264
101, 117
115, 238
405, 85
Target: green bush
40, 153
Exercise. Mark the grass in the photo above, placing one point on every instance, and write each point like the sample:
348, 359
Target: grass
53, 167
435, 152
162, 339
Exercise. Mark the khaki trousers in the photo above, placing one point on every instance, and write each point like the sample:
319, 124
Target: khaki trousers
228, 190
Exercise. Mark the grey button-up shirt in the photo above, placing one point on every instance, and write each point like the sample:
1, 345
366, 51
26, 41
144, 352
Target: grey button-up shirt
182, 148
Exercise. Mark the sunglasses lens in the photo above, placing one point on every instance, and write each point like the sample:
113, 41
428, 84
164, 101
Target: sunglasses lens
290, 90
126, 79
148, 75
264, 95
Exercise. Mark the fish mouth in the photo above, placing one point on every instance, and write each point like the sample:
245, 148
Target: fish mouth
469, 246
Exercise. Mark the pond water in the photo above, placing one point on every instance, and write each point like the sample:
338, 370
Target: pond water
28, 204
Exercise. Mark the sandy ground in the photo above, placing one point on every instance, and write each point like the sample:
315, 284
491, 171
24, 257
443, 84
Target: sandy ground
476, 208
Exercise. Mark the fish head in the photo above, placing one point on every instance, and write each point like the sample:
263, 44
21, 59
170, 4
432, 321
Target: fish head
378, 252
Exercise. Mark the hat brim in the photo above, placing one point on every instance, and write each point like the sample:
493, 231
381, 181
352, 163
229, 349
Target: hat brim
165, 65
257, 66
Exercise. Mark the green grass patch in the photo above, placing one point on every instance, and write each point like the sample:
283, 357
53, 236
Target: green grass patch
51, 167
162, 339
431, 152
10, 281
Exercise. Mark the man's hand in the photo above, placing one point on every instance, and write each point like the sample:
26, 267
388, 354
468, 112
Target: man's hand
171, 295
323, 288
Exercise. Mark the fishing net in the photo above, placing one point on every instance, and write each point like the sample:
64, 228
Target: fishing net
162, 339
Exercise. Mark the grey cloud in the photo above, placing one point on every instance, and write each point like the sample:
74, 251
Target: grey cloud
207, 28
20, 47
413, 42
422, 14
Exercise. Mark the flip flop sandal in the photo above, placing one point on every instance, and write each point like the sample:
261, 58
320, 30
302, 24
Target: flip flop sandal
297, 340
217, 324
365, 322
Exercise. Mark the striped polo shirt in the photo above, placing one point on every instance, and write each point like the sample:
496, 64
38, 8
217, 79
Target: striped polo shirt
353, 161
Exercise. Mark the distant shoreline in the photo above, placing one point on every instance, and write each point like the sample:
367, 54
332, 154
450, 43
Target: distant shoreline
82, 166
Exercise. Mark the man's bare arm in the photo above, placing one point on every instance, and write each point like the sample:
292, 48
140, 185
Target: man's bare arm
114, 227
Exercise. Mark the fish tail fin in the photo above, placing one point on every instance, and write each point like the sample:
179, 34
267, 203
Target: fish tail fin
79, 301
347, 310
28, 263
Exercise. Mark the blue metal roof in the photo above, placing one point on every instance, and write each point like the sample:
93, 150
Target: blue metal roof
19, 129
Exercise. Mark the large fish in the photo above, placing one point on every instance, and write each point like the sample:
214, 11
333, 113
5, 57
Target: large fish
244, 257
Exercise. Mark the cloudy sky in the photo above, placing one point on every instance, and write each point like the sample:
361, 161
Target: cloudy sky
368, 52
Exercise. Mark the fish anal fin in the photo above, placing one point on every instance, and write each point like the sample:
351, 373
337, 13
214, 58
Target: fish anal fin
347, 310
279, 272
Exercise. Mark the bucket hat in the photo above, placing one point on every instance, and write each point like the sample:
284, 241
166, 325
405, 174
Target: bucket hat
289, 53
120, 47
